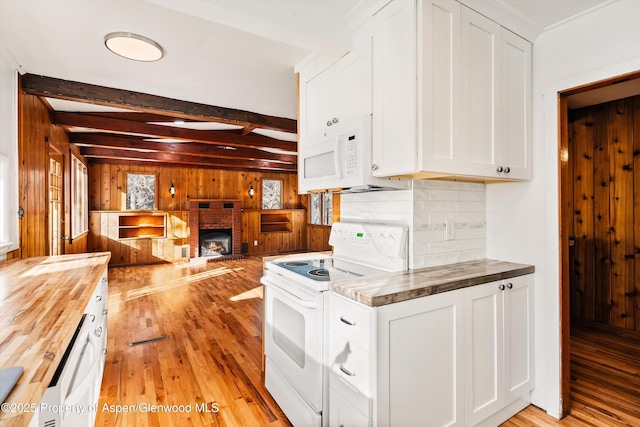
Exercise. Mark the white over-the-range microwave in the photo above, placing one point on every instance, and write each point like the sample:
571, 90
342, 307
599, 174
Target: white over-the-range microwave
342, 160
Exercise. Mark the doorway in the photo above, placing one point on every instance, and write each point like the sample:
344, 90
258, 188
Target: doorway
599, 199
56, 210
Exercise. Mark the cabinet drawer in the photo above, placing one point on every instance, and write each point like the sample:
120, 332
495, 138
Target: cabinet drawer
350, 371
344, 414
351, 320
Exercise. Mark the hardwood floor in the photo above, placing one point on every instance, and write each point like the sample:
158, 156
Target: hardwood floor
209, 320
210, 362
605, 383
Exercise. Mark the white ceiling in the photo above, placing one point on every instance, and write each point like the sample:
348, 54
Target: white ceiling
229, 53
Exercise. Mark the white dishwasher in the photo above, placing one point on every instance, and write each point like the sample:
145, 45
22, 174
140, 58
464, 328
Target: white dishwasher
68, 400
72, 396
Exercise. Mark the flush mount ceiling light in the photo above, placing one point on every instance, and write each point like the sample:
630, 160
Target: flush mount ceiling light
133, 46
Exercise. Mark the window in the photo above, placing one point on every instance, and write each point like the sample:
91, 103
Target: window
271, 194
79, 198
321, 208
141, 192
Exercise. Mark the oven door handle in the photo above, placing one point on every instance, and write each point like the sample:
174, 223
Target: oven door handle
302, 302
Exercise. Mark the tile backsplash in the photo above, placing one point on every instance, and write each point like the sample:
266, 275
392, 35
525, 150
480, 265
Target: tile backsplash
446, 220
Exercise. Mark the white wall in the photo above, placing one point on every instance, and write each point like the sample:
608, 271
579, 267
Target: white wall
428, 209
522, 218
8, 155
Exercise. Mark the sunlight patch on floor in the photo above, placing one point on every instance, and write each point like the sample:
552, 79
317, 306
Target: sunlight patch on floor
176, 283
256, 292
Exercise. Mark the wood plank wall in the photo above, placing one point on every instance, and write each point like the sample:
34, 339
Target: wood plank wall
107, 192
37, 138
605, 265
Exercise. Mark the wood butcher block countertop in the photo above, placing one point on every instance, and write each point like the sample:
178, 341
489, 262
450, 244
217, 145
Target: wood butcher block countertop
42, 300
388, 288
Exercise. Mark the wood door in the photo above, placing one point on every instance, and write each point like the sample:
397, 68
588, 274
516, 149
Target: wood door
604, 142
56, 205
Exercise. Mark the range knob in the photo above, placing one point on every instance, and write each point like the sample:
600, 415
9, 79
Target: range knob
381, 239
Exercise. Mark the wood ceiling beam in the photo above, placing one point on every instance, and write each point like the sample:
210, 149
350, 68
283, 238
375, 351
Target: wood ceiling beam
101, 95
182, 159
100, 140
145, 129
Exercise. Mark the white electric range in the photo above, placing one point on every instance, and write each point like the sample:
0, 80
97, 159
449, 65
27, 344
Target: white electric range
295, 336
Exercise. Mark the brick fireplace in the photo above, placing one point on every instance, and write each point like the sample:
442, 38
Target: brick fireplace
214, 214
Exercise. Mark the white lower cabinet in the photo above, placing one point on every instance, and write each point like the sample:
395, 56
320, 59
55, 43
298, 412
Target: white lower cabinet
499, 347
458, 358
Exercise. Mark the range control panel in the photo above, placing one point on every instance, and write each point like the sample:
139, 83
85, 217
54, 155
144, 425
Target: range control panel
367, 240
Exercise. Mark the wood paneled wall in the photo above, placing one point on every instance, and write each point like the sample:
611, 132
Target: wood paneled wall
107, 186
275, 242
107, 192
37, 138
605, 261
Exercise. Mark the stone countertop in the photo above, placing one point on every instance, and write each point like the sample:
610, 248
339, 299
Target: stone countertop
42, 300
384, 289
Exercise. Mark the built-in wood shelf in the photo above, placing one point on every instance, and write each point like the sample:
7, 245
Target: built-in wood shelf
142, 226
275, 222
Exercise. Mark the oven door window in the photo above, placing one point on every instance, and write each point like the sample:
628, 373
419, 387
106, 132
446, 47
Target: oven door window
288, 331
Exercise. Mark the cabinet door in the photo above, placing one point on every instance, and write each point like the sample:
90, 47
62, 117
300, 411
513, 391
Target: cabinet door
320, 102
439, 130
394, 89
420, 366
516, 95
342, 413
353, 81
480, 47
483, 351
518, 345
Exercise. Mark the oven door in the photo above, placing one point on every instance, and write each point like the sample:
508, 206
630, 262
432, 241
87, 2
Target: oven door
294, 336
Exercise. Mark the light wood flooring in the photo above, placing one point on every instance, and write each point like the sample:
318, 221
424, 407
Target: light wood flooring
605, 383
210, 362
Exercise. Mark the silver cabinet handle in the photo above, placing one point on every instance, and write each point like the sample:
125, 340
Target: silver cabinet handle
329, 123
347, 372
99, 331
374, 167
500, 169
501, 287
347, 322
507, 169
93, 318
510, 285
104, 312
104, 351
98, 297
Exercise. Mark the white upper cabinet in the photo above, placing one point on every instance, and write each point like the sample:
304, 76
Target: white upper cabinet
342, 90
451, 93
516, 96
496, 83
481, 102
394, 89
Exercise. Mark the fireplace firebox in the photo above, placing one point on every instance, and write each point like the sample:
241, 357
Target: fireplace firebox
215, 242
208, 216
